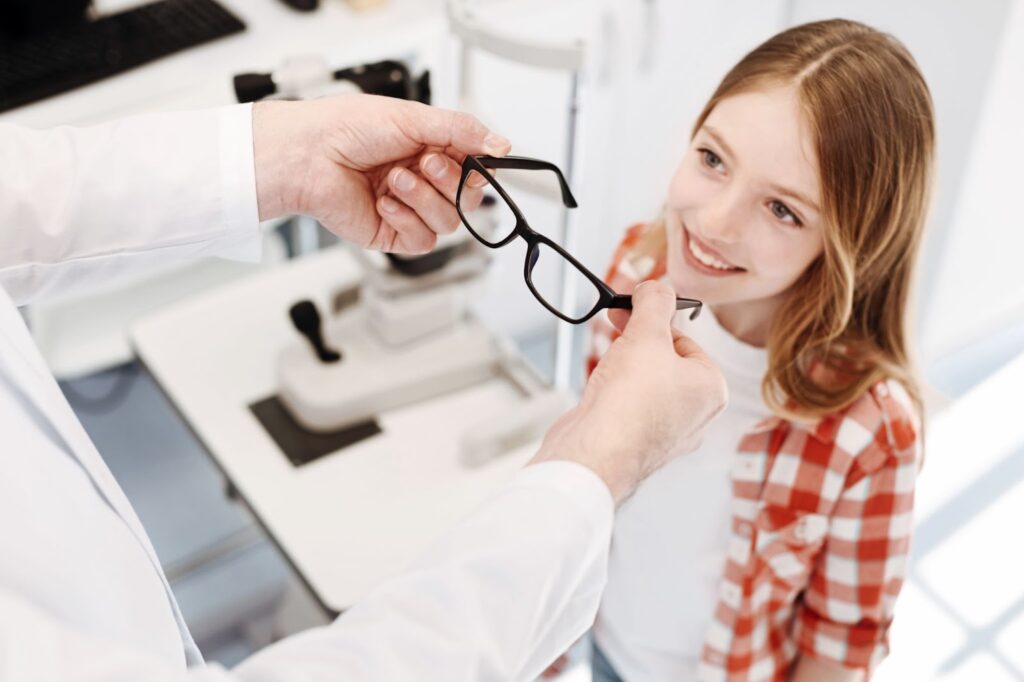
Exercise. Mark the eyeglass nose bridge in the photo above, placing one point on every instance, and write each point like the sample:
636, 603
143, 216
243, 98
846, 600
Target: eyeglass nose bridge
533, 255
533, 242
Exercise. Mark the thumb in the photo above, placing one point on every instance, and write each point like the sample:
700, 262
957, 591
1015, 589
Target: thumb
654, 306
444, 128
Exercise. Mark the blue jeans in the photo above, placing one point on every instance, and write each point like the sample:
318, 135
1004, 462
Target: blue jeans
601, 669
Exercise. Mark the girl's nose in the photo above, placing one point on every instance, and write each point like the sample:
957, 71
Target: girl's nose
722, 220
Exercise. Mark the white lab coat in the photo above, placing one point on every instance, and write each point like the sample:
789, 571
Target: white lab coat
82, 595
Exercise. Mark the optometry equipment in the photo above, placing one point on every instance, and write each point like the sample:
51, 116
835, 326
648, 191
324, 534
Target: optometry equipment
406, 335
309, 77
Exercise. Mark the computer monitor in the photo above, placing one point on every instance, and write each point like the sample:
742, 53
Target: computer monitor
56, 46
20, 18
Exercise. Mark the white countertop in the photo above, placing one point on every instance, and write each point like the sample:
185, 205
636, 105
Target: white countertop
347, 520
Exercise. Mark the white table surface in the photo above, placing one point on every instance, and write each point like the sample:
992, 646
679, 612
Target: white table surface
345, 521
201, 76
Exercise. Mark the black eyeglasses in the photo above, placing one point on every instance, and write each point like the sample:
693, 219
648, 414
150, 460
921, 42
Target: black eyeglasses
496, 220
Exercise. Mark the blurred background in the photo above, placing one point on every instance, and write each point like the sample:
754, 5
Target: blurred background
618, 119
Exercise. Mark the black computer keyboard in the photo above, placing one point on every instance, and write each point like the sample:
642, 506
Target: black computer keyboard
47, 64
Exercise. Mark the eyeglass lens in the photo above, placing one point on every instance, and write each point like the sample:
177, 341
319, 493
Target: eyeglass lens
484, 210
545, 275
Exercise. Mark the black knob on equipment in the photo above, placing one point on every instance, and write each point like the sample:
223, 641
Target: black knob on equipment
306, 319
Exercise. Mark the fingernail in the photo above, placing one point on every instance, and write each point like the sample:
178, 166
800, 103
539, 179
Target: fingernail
476, 180
496, 144
434, 165
388, 205
403, 180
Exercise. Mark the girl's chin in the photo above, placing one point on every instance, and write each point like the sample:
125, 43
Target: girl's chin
687, 285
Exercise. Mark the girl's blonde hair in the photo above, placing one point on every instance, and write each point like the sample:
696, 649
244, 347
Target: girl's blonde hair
843, 325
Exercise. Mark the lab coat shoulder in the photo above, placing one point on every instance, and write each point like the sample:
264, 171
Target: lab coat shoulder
497, 598
80, 205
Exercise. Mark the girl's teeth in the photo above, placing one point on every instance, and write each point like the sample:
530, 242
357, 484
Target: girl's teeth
706, 258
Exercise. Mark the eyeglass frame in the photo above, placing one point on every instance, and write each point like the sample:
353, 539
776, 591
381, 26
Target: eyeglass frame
607, 297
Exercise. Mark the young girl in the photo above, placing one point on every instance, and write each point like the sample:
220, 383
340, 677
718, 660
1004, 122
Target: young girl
777, 550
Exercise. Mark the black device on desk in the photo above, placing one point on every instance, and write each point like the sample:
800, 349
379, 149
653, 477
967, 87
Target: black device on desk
50, 46
390, 78
302, 5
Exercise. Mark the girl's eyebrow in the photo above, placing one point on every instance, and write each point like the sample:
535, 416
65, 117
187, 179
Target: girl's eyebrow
778, 189
717, 137
793, 194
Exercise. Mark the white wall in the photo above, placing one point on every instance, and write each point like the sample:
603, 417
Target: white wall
964, 51
979, 285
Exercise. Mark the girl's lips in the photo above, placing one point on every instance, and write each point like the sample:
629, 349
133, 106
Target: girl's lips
701, 267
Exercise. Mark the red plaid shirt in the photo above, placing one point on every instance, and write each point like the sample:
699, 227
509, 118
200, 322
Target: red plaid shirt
820, 531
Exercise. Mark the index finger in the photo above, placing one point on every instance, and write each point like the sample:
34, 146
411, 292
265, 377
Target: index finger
457, 131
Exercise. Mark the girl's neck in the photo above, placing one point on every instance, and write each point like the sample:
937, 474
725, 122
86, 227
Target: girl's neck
748, 321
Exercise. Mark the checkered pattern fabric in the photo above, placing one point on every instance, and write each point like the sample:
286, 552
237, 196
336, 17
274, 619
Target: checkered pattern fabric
820, 531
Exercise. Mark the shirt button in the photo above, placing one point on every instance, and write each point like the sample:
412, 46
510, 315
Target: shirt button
744, 529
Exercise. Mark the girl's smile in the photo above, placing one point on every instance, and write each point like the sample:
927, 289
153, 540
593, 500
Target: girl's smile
704, 259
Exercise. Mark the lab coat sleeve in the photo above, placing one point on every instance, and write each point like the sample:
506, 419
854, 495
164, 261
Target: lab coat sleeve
497, 598
82, 205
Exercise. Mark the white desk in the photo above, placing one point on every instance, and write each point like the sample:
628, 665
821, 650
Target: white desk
345, 521
202, 76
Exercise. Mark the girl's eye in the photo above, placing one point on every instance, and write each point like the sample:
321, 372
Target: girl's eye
711, 159
782, 212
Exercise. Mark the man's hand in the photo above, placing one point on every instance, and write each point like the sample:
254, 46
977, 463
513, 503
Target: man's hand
648, 400
379, 172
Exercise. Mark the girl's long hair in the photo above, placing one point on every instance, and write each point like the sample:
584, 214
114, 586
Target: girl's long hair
844, 324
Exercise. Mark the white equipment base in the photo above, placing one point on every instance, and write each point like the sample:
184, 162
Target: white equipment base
373, 377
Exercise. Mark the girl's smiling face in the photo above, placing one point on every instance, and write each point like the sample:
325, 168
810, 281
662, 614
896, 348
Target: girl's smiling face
742, 215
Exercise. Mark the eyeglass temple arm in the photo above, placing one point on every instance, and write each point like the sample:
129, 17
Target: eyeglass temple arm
527, 163
625, 302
